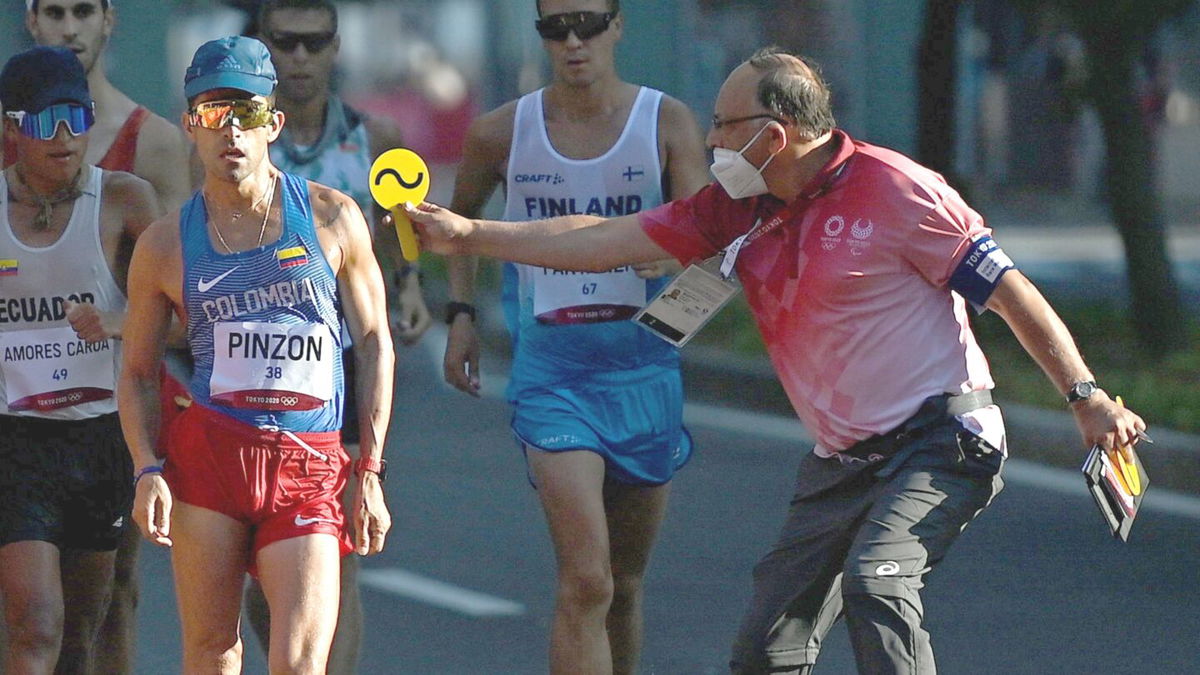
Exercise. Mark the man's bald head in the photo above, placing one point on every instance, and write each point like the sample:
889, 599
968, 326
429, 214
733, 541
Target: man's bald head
791, 87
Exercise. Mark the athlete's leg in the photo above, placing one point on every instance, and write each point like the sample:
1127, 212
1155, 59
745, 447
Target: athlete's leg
33, 605
300, 580
85, 599
347, 637
570, 486
116, 644
634, 515
209, 557
256, 612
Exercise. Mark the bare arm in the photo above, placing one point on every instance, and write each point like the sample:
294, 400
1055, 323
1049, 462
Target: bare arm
681, 145
686, 164
129, 206
581, 243
1045, 337
412, 315
155, 267
162, 159
485, 155
360, 284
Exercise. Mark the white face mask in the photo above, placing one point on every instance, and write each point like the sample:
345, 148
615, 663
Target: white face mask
736, 174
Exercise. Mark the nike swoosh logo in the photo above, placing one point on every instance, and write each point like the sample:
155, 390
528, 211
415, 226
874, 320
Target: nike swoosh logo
205, 286
305, 522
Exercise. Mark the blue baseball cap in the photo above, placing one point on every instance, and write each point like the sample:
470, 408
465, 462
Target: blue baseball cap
234, 62
38, 78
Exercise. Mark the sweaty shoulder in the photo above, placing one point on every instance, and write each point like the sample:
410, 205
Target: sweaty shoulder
672, 112
133, 196
491, 133
161, 239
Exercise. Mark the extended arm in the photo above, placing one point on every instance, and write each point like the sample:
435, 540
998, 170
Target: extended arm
1045, 337
581, 243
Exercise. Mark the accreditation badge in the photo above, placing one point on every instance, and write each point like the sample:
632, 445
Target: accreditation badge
689, 302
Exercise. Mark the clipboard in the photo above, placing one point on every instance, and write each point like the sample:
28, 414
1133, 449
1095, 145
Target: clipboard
1117, 502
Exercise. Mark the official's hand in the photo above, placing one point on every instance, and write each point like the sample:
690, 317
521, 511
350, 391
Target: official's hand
461, 363
152, 508
90, 324
439, 230
371, 518
410, 318
1103, 422
658, 268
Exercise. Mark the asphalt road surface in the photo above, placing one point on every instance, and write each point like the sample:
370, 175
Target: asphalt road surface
1035, 585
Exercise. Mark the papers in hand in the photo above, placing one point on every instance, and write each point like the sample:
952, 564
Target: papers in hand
1117, 485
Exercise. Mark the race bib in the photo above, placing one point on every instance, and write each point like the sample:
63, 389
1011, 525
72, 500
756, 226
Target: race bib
561, 297
51, 368
272, 366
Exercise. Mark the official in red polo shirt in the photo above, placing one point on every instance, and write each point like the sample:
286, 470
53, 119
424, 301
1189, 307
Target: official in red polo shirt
859, 266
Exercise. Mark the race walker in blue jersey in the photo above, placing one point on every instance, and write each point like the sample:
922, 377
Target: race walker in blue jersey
263, 268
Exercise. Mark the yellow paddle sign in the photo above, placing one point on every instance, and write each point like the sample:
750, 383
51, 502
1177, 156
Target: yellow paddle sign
397, 176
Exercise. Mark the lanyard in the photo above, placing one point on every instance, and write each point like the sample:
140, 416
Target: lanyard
784, 214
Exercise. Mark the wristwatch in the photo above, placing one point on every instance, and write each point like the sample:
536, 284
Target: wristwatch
1081, 391
453, 309
375, 466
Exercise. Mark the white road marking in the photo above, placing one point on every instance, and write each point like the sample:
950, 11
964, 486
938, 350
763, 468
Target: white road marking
789, 430
438, 593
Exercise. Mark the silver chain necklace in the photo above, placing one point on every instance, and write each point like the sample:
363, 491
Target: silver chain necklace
262, 231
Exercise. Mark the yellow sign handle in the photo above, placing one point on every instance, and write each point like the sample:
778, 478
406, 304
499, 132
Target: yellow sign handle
405, 233
397, 176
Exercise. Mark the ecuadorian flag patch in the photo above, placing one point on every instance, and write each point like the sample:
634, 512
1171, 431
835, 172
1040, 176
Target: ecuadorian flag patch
292, 257
8, 268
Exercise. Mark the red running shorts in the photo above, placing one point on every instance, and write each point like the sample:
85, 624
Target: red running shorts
277, 485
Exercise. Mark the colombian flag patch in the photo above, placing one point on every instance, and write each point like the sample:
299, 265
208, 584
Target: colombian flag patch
8, 268
292, 257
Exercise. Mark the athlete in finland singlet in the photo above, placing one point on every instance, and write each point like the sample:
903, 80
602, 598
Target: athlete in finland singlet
46, 371
567, 325
264, 324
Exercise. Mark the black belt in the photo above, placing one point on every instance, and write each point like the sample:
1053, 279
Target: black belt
933, 409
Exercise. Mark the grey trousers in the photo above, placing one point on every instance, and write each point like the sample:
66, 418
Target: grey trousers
858, 542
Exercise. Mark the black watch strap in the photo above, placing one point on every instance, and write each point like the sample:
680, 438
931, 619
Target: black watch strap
453, 309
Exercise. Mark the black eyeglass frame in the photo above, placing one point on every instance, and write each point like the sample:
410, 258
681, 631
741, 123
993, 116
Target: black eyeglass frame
718, 124
585, 25
314, 43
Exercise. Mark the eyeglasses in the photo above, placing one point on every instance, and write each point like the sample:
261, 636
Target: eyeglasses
313, 42
718, 123
586, 25
242, 113
44, 125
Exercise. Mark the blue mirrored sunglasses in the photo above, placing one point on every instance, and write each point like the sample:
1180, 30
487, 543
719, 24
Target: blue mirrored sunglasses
44, 125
